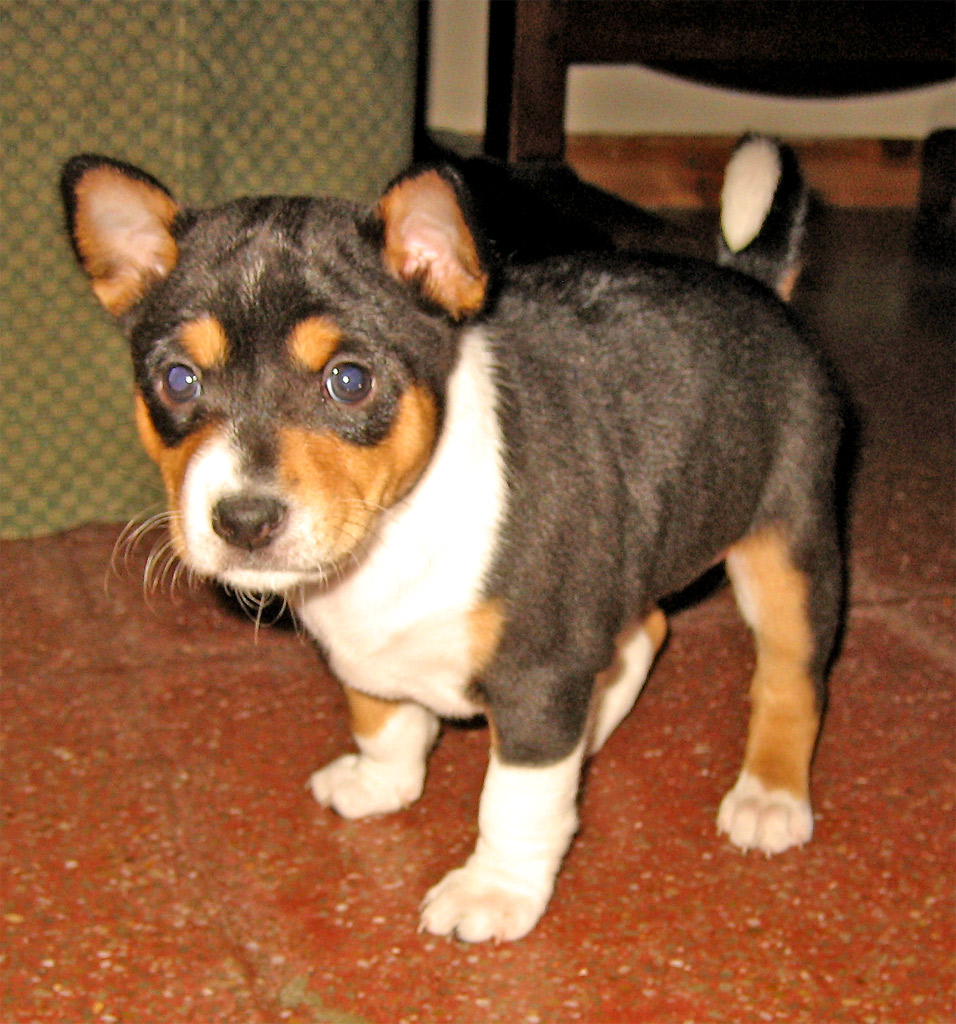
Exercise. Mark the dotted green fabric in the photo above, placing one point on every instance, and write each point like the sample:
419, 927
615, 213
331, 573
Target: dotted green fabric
216, 98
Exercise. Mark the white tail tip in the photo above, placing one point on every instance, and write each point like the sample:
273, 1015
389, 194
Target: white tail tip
750, 182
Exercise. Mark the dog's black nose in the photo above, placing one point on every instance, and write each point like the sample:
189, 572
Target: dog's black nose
248, 521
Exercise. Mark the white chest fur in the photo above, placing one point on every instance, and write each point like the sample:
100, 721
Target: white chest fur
396, 626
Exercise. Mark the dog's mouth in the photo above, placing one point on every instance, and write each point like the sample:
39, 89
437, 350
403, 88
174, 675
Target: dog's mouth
258, 542
280, 581
265, 572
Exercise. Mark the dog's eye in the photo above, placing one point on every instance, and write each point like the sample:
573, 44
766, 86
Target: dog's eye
347, 382
181, 384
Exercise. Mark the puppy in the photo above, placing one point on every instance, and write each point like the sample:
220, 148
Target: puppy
474, 489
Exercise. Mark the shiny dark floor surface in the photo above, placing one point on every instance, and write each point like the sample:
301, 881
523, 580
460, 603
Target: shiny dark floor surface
163, 861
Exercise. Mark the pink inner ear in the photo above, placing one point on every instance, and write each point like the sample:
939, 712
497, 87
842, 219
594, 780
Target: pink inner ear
427, 242
126, 218
122, 230
132, 234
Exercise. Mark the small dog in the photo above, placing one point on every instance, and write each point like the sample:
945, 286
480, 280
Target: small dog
474, 488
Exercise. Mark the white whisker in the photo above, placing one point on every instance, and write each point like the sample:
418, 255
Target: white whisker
254, 605
163, 569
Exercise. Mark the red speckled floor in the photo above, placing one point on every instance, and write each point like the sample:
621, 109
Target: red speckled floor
164, 863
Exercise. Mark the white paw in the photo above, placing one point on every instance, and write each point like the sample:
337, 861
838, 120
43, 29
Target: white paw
356, 786
756, 818
478, 904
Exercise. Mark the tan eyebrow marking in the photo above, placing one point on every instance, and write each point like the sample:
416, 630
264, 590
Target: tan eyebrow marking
313, 341
205, 341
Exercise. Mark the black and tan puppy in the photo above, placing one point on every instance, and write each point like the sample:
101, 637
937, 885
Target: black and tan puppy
473, 492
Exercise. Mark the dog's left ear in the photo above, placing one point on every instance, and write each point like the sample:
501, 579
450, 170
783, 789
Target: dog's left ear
121, 224
428, 243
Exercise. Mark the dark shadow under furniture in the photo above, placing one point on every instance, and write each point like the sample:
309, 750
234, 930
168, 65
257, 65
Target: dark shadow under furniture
799, 48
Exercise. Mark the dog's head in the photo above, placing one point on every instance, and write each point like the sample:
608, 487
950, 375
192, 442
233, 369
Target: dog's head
290, 356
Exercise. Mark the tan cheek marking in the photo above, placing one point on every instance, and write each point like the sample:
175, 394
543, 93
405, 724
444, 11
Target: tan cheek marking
351, 483
313, 341
118, 280
205, 342
784, 718
172, 462
147, 432
369, 714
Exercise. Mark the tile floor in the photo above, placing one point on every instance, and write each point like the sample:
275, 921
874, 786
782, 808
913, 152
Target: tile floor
164, 864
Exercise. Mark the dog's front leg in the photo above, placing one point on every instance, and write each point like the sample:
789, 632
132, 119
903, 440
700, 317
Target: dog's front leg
388, 772
527, 818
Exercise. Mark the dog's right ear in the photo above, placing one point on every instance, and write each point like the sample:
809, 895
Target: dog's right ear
120, 221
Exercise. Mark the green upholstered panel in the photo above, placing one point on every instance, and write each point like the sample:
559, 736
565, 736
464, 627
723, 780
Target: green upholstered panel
216, 98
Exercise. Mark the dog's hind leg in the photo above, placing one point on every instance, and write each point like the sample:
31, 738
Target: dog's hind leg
793, 613
388, 773
618, 686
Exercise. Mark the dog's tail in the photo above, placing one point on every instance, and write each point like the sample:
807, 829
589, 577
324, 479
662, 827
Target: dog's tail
763, 211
